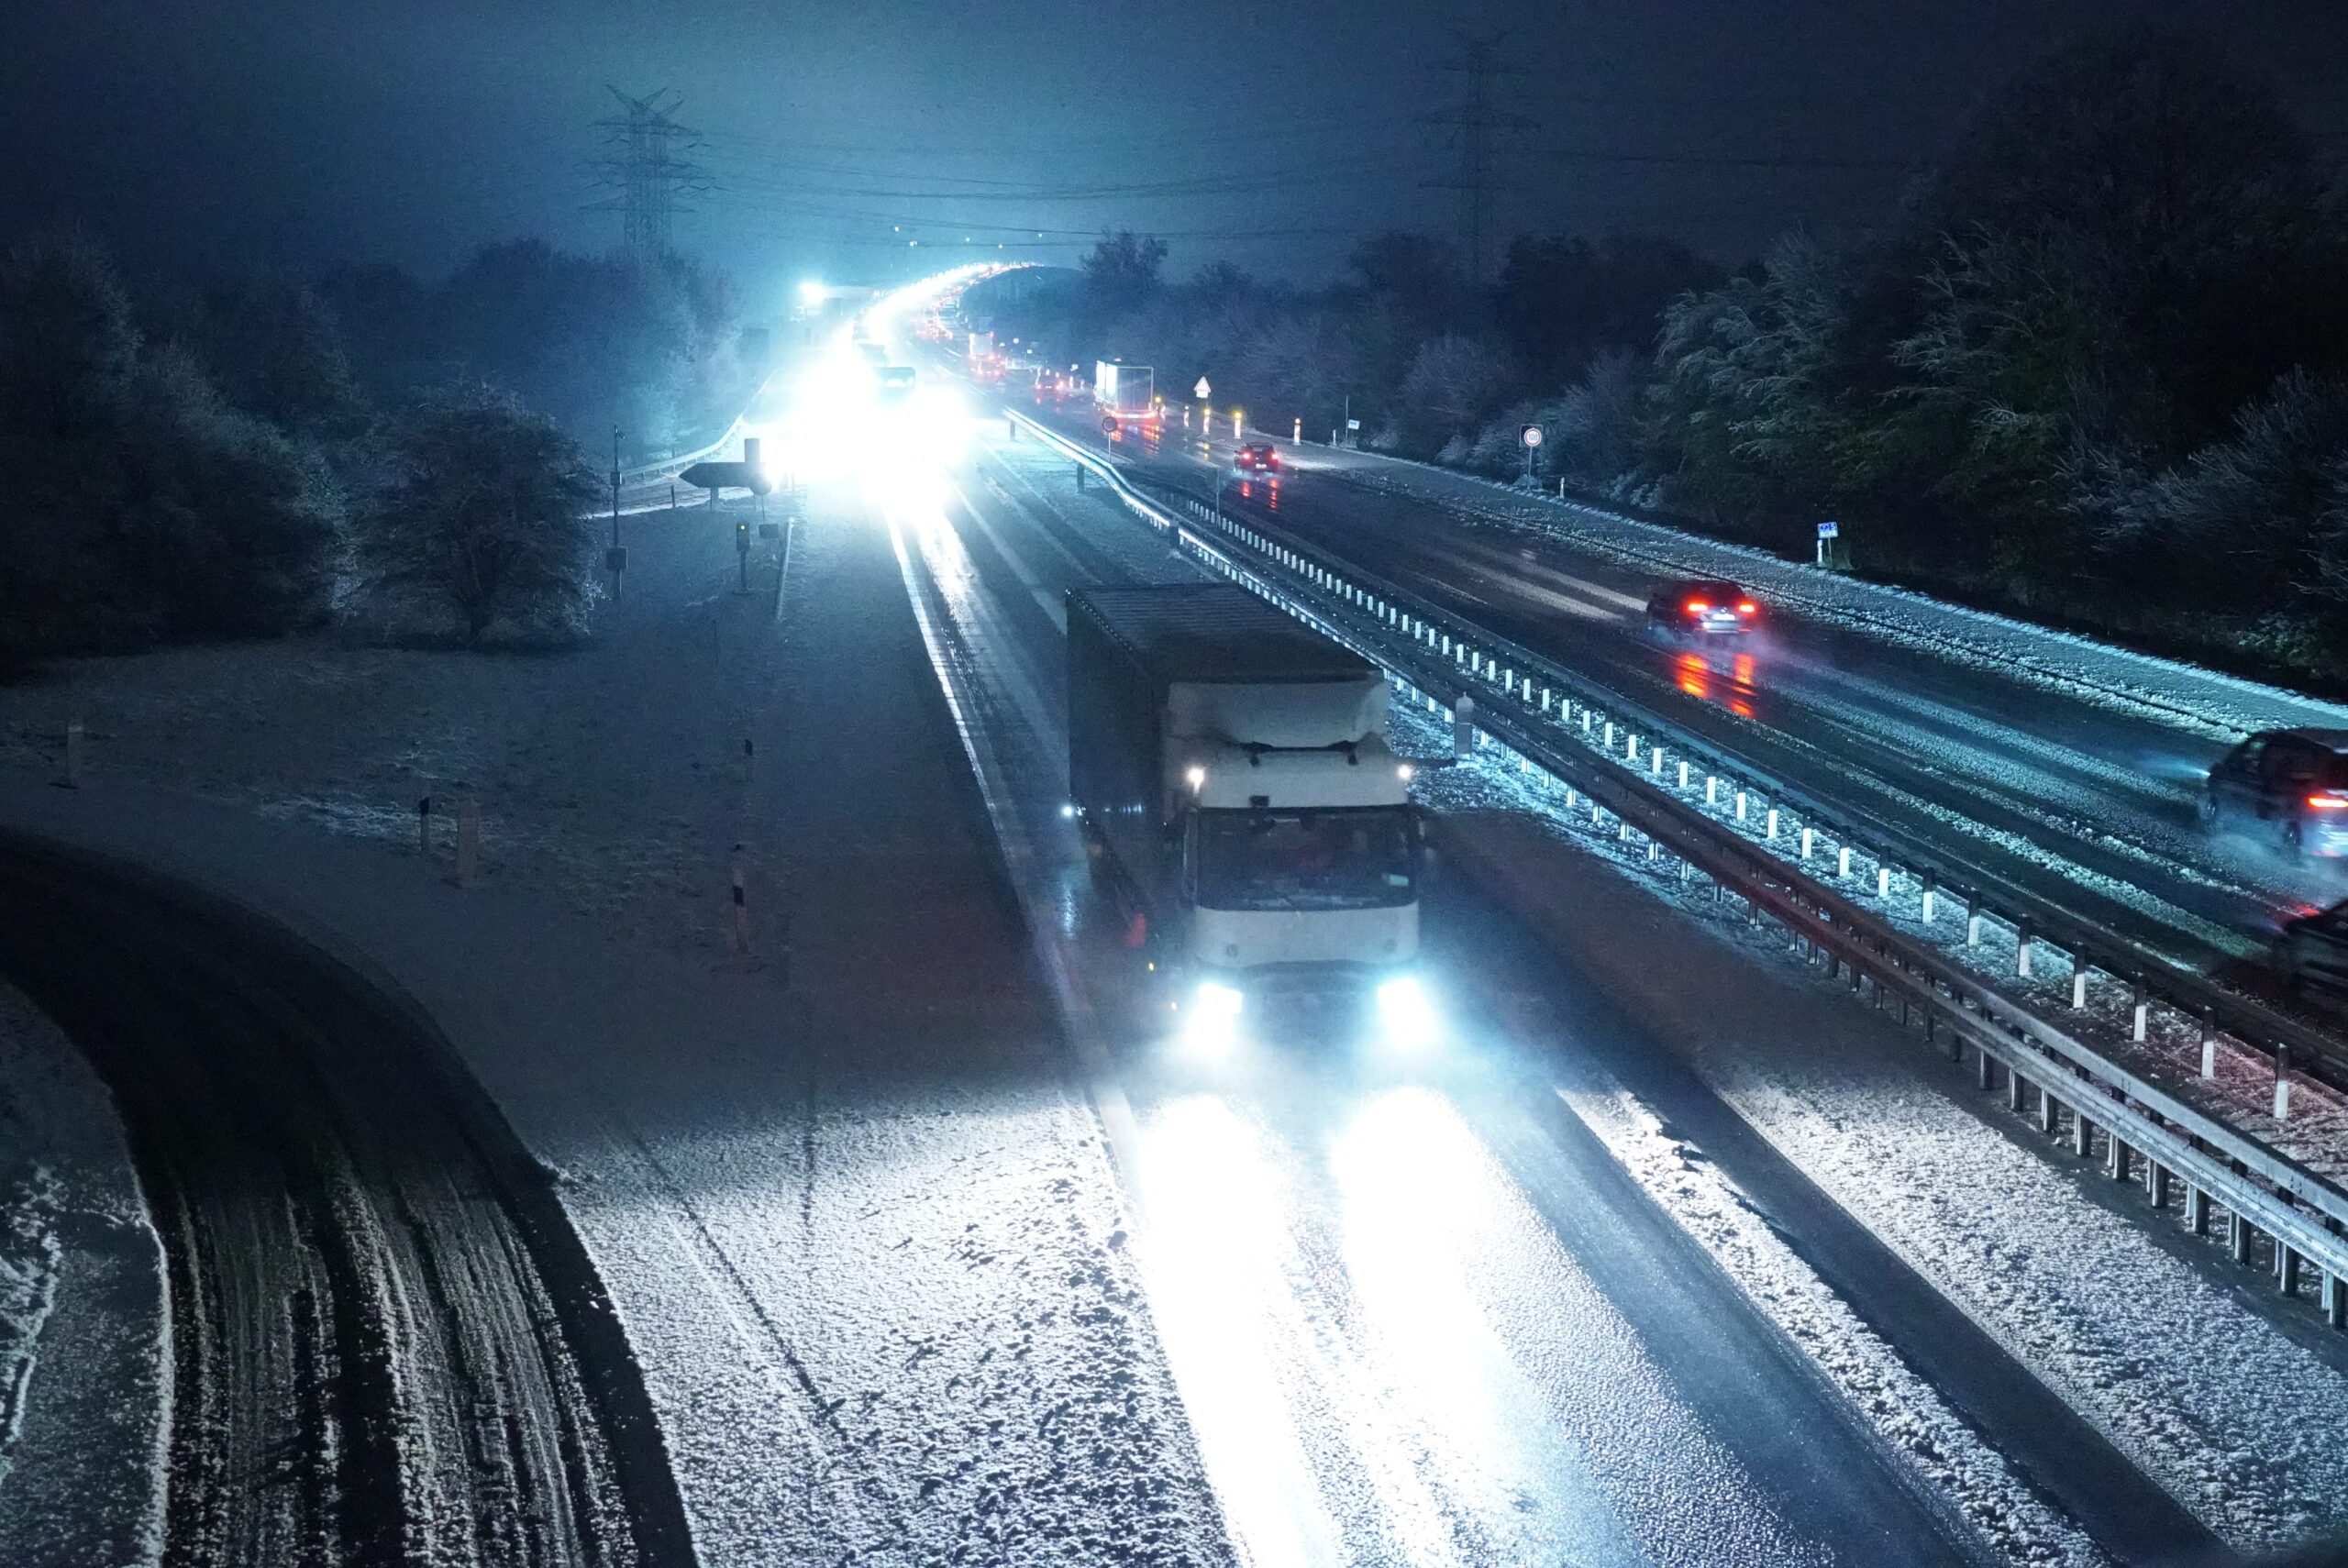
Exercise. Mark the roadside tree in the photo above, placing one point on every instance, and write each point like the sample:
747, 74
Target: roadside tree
481, 517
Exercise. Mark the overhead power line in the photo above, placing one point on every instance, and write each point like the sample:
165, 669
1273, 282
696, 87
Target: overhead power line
649, 170
1479, 122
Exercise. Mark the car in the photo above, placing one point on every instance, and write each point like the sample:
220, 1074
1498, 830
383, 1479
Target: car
2287, 785
1257, 458
2312, 950
1702, 607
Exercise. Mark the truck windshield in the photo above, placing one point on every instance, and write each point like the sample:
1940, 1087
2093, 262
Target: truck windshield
1350, 858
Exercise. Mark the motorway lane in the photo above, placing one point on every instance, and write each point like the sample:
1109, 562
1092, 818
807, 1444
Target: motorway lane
1417, 1313
2088, 806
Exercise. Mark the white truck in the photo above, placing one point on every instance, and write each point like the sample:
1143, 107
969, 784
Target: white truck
1233, 765
1125, 394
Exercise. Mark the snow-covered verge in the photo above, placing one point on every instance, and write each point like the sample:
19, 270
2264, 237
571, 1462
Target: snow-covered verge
82, 1331
2238, 1090
866, 1243
2138, 1326
1901, 1406
2221, 705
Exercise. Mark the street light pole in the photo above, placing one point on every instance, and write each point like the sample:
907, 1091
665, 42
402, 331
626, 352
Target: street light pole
615, 487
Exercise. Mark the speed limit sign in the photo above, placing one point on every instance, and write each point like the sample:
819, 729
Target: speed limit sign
1108, 424
1530, 435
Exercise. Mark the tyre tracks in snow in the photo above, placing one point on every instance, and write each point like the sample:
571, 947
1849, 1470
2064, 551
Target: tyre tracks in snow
388, 1344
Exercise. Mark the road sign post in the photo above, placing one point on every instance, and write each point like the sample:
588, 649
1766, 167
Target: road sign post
615, 558
1834, 555
1529, 438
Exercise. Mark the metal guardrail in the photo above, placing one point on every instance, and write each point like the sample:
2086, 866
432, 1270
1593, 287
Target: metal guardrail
2265, 1190
670, 467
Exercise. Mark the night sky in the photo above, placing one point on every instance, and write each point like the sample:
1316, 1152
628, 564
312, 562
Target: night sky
204, 135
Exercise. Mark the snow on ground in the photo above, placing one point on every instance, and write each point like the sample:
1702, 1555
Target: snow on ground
1903, 1408
2219, 704
2139, 1326
82, 1334
2238, 1089
864, 1237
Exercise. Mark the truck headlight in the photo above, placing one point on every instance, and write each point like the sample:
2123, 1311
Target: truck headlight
1405, 1015
1214, 1024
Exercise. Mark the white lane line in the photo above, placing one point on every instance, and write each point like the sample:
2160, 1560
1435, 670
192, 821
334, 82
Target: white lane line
1052, 604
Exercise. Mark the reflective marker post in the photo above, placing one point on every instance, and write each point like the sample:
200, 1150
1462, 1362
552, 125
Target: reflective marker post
468, 842
741, 907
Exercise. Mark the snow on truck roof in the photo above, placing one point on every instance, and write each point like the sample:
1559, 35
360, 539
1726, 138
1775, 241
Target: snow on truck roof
1213, 631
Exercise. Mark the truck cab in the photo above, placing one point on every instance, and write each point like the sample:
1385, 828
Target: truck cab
1232, 764
1303, 858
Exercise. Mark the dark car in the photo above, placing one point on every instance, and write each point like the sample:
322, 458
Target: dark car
1702, 607
2313, 949
2289, 785
1257, 458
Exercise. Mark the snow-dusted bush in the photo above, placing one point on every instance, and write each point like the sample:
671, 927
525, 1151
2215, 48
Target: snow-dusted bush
1453, 384
135, 504
2268, 506
481, 520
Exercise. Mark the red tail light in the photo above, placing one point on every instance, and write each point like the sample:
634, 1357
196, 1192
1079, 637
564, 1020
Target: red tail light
1697, 606
2328, 803
1747, 608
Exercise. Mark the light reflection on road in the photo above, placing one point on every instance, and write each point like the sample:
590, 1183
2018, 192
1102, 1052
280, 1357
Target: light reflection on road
1727, 680
1353, 1398
1217, 1256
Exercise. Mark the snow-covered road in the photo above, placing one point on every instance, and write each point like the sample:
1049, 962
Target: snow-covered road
2185, 1406
1413, 1317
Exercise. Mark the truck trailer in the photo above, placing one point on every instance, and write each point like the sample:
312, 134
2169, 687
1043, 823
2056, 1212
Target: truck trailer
1232, 765
1126, 393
